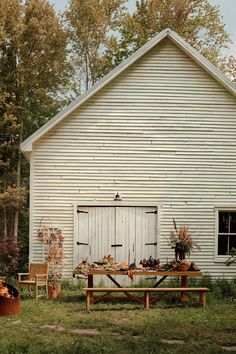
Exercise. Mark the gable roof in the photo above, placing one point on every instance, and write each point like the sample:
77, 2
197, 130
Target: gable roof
26, 146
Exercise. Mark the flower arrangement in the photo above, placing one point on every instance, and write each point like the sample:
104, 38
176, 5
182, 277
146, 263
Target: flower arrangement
182, 241
53, 239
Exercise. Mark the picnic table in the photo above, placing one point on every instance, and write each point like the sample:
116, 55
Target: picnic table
163, 274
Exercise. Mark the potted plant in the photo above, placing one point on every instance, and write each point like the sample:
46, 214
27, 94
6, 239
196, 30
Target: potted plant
183, 265
182, 242
9, 299
55, 259
53, 239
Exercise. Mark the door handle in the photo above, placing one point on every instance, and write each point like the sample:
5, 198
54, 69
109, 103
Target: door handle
82, 243
117, 245
151, 244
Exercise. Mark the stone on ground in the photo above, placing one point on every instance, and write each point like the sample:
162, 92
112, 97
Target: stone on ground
54, 327
86, 331
229, 348
172, 341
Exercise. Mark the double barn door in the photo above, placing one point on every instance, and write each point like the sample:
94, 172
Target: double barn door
126, 233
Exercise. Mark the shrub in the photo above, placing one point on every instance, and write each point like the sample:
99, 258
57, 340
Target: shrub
225, 288
10, 255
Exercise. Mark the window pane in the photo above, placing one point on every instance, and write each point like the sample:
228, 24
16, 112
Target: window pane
232, 222
222, 245
232, 242
223, 222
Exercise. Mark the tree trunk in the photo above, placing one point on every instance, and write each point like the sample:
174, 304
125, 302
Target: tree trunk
86, 72
4, 222
18, 181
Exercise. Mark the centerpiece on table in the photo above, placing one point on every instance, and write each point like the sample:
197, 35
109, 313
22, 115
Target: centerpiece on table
182, 242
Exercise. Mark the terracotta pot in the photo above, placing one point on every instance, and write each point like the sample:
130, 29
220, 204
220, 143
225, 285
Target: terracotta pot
183, 267
54, 291
10, 306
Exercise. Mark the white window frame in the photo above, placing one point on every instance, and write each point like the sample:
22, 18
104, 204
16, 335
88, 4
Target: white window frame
220, 258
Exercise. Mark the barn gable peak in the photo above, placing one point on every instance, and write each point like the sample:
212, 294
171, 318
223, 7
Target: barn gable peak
26, 146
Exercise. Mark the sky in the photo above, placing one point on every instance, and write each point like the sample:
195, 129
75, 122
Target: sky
227, 10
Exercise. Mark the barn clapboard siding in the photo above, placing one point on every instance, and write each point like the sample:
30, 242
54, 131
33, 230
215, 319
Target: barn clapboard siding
162, 132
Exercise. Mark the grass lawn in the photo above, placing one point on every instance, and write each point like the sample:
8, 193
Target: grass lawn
120, 327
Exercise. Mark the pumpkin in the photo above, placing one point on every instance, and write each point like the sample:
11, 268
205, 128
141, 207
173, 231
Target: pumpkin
123, 265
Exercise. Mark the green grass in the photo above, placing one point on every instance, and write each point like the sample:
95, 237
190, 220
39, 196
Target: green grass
124, 327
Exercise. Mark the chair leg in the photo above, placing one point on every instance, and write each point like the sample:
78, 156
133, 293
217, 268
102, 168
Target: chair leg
36, 292
46, 289
29, 289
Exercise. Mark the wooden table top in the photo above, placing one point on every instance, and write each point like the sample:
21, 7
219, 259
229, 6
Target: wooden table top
171, 273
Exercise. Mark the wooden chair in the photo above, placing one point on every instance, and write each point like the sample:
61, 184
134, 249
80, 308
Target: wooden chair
37, 276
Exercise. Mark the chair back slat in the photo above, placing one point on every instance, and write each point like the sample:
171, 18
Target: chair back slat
37, 268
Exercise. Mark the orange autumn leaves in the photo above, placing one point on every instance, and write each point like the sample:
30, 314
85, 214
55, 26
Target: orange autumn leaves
4, 290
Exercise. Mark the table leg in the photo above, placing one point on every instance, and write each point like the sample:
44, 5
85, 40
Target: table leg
90, 285
114, 281
202, 298
146, 299
183, 296
160, 281
119, 286
88, 300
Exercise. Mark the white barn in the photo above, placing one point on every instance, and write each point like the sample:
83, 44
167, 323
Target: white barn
160, 129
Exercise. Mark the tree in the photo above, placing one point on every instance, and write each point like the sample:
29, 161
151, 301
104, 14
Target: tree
197, 21
229, 67
91, 24
34, 72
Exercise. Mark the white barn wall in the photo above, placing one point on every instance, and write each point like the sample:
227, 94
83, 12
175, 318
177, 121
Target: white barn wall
161, 132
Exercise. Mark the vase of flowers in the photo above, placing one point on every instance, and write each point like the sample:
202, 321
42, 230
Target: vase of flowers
182, 242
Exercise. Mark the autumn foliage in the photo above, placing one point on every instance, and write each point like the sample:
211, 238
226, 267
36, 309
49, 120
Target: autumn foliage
10, 255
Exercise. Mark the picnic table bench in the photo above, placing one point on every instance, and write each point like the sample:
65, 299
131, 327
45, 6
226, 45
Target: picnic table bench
146, 300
